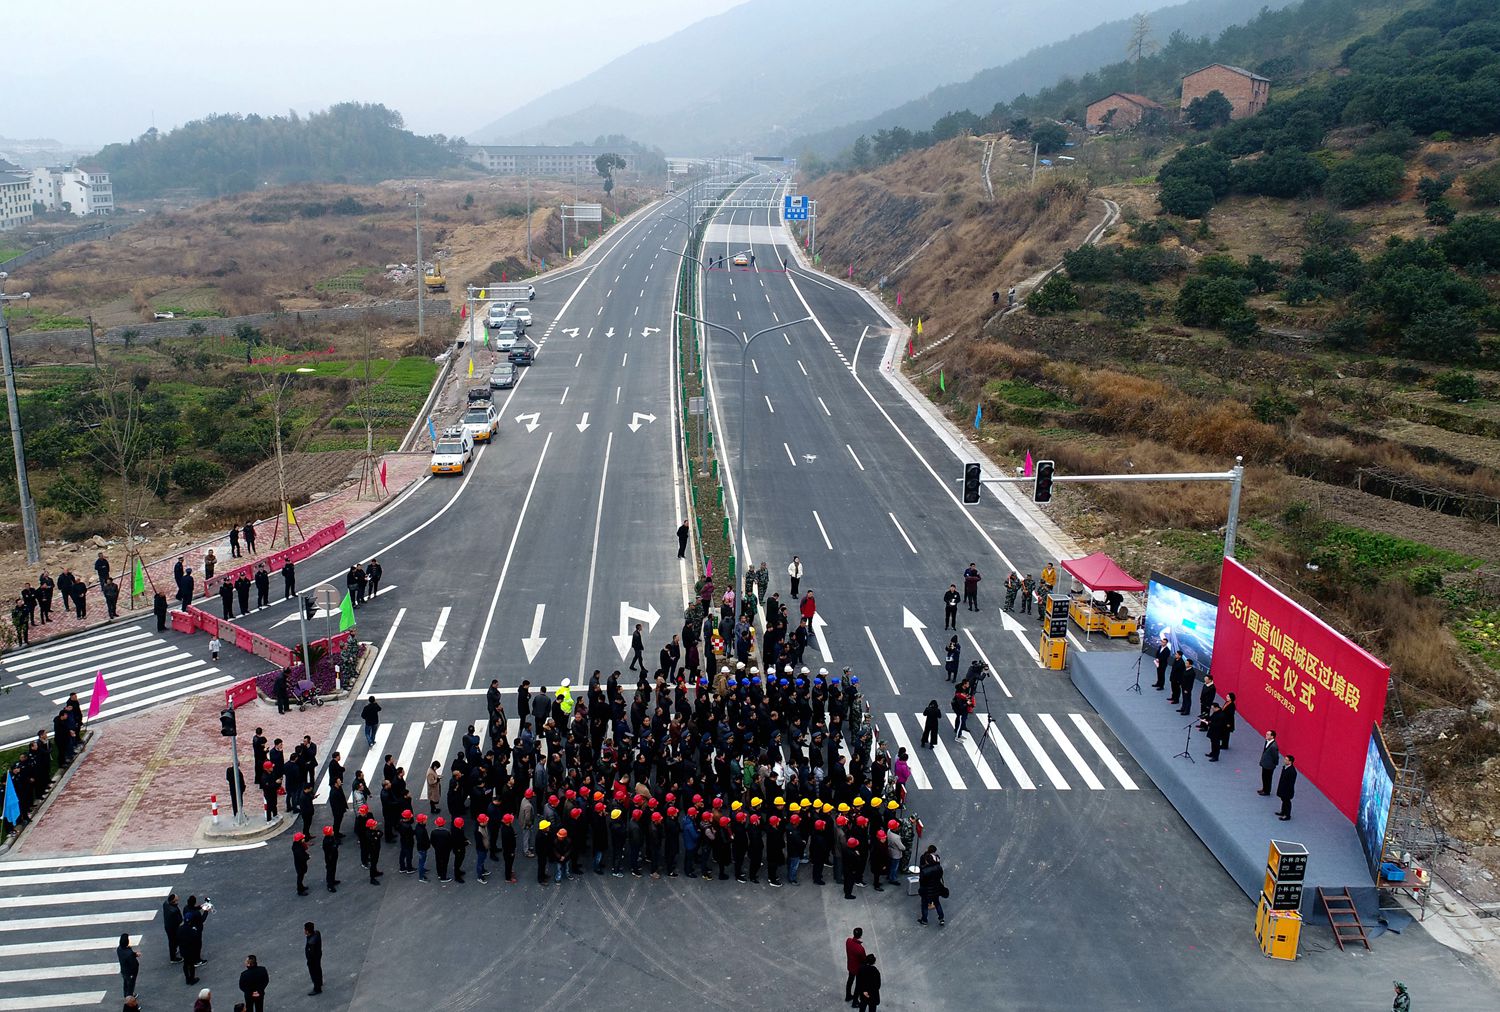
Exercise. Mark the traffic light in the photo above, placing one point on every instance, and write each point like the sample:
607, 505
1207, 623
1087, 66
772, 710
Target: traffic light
971, 484
309, 606
226, 722
1042, 491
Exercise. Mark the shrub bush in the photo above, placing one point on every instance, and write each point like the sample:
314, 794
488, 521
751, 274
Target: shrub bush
1365, 179
1210, 302
1472, 242
1456, 385
1284, 173
1482, 186
1056, 295
197, 477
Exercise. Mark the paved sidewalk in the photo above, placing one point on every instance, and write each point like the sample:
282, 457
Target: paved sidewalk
402, 471
145, 781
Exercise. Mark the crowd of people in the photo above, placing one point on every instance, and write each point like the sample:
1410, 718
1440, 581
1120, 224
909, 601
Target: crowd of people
45, 756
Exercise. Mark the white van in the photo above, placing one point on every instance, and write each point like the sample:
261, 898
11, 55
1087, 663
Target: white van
452, 451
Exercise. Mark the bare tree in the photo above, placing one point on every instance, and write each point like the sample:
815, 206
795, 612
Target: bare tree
123, 448
275, 385
369, 472
1141, 44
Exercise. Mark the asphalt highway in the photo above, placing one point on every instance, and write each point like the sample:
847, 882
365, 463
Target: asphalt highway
1074, 883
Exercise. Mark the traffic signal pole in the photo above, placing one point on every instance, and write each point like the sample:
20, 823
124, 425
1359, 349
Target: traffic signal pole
1235, 476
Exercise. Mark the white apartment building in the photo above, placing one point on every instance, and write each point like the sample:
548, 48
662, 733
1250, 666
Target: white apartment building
540, 160
77, 191
15, 200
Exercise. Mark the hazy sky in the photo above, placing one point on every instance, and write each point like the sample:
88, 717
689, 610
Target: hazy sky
90, 71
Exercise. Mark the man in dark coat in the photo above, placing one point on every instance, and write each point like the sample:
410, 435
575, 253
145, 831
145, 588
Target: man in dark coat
185, 589
312, 949
242, 591
373, 573
1218, 720
442, 846
1163, 663
226, 597
159, 608
171, 917
1179, 669
289, 579
262, 586
867, 985
372, 845
253, 982
1286, 787
1270, 756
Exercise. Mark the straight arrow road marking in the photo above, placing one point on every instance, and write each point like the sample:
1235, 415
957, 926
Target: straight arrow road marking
648, 331
637, 418
533, 418
584, 422
819, 623
533, 643
610, 332
910, 621
431, 647
629, 614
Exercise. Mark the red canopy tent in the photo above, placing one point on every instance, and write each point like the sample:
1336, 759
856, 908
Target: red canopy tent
1099, 572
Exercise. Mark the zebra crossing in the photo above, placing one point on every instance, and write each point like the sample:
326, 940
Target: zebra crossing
60, 921
1019, 752
140, 667
1006, 752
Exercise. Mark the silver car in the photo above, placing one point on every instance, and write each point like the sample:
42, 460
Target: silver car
503, 376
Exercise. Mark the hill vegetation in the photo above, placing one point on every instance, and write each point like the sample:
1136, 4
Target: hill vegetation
347, 143
1314, 289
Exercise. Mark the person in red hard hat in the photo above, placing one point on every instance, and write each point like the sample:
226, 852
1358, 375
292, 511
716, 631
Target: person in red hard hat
331, 858
372, 840
508, 845
854, 865
406, 832
299, 862
442, 846
460, 844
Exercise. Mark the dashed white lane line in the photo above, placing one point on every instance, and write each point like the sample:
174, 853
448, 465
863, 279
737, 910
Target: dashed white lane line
855, 456
580, 360
802, 367
754, 366
565, 395
789, 456
827, 412
822, 530
769, 404
623, 359
894, 687
902, 530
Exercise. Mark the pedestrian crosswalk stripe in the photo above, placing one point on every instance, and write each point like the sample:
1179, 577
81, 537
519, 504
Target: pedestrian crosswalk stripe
51, 972
94, 860
1040, 755
918, 775
75, 920
83, 673
186, 690
18, 661
1110, 762
444, 751
1072, 753
63, 945
77, 660
346, 743
980, 765
157, 680
59, 899
72, 999
1008, 756
372, 760
409, 748
949, 770
91, 875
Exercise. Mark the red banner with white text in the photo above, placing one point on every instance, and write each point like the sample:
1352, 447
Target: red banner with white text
1294, 674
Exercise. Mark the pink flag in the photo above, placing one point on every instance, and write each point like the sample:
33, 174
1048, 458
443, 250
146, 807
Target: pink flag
898, 298
1027, 472
851, 271
382, 474
101, 693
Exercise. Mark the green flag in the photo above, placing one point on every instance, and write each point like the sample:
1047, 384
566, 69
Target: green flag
138, 581
346, 613
942, 382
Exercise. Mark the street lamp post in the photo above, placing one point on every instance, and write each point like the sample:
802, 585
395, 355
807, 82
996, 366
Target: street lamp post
421, 274
739, 533
23, 486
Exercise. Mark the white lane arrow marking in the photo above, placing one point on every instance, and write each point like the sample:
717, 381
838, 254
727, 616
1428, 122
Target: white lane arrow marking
531, 419
533, 643
819, 623
1016, 626
648, 331
610, 332
570, 331
293, 616
629, 615
910, 621
635, 420
584, 423
431, 647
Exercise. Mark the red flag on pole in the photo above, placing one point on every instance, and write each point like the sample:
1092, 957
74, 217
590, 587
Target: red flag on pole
503, 276
898, 298
101, 693
1029, 466
382, 474
909, 351
851, 272
463, 312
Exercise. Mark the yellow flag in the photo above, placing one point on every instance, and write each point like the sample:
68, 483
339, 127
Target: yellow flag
919, 325
471, 368
291, 518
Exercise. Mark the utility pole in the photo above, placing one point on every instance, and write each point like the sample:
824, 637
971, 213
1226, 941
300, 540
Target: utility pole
528, 217
421, 274
93, 348
1035, 151
23, 487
